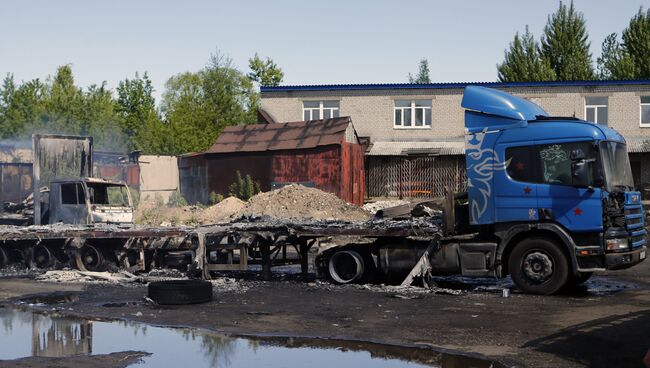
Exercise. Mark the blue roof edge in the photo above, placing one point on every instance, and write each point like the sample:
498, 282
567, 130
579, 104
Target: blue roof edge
451, 85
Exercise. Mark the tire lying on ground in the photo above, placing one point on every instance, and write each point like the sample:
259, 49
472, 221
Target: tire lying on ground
177, 292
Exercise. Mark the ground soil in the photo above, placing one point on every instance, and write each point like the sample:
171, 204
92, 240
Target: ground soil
605, 325
113, 360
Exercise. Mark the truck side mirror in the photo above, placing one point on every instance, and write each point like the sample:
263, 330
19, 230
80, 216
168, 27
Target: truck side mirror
579, 173
577, 154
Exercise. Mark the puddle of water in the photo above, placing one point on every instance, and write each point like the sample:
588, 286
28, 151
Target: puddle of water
595, 286
25, 334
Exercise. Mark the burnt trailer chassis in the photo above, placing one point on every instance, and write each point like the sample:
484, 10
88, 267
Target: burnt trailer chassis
221, 247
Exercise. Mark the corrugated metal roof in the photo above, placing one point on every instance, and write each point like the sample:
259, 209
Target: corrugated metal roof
283, 136
638, 144
450, 85
417, 148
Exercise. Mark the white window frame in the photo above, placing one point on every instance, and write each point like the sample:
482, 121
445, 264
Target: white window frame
595, 107
321, 109
641, 104
413, 107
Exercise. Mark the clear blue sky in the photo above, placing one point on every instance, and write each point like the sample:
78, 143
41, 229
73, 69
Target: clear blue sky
324, 42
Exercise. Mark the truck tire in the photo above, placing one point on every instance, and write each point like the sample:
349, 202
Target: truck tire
89, 258
42, 257
178, 292
346, 267
538, 266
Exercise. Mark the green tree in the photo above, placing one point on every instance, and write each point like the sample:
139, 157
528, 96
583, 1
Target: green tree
524, 62
63, 102
565, 43
423, 73
636, 43
25, 110
101, 120
614, 61
7, 92
265, 72
197, 106
140, 120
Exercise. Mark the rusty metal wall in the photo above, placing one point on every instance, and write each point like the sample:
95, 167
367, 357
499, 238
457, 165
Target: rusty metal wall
128, 173
16, 181
323, 166
415, 177
320, 165
352, 187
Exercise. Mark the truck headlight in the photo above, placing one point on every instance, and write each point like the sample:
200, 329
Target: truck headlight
616, 244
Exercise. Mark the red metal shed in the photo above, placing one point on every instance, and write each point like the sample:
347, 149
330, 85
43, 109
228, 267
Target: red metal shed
325, 154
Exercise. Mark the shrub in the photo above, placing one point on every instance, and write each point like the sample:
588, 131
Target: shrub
176, 200
215, 198
244, 187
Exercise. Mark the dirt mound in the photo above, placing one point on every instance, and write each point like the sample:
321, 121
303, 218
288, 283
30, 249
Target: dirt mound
221, 210
150, 213
298, 201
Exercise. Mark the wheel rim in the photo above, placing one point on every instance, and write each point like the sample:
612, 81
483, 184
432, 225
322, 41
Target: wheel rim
538, 266
346, 267
42, 257
91, 258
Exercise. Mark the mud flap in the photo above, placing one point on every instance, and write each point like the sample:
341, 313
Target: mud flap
477, 259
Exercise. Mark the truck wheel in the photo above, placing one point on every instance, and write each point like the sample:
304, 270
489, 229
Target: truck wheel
346, 266
42, 257
89, 258
538, 266
175, 292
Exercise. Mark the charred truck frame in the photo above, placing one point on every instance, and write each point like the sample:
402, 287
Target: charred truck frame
549, 201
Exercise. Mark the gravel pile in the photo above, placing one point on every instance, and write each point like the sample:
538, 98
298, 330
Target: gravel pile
221, 211
298, 201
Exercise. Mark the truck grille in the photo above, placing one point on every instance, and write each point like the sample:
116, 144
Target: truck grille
634, 219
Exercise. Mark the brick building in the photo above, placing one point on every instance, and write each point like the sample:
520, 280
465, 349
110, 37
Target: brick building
414, 132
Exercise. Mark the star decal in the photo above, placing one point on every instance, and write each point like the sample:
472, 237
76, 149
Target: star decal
577, 211
527, 190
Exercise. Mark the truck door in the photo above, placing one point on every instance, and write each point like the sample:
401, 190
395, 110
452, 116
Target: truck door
73, 209
575, 206
515, 189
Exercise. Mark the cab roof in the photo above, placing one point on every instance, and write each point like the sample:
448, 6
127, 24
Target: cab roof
499, 103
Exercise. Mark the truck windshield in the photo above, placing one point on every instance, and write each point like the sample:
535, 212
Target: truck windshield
616, 165
108, 194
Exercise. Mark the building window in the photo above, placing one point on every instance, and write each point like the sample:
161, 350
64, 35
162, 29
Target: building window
596, 109
412, 114
645, 111
316, 110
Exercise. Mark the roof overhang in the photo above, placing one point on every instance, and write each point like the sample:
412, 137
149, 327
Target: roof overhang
435, 148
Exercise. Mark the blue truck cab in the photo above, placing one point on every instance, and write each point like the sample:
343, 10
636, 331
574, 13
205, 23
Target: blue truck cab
554, 195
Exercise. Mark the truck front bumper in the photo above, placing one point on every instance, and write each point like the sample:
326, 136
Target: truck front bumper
618, 261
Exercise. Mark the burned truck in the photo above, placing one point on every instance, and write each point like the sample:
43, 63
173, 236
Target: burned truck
63, 192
